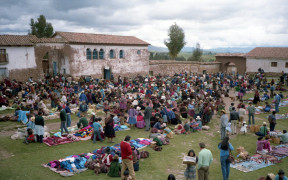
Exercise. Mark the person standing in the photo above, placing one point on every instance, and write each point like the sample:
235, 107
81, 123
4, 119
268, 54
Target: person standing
39, 127
272, 120
204, 161
127, 157
225, 148
234, 117
251, 113
68, 113
190, 172
277, 99
96, 132
147, 116
223, 124
63, 118
109, 128
242, 113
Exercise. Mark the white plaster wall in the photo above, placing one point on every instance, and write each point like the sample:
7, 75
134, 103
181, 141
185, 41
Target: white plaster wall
20, 58
131, 63
252, 65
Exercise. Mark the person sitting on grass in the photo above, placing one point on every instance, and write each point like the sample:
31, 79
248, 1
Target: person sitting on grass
260, 144
83, 122
267, 107
115, 167
157, 128
283, 137
263, 130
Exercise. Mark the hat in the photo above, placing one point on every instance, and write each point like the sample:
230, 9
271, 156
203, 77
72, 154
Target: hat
164, 125
264, 123
223, 110
271, 175
116, 157
93, 113
198, 118
32, 119
138, 108
244, 122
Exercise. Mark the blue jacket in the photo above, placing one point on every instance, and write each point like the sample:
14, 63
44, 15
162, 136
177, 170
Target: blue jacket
225, 152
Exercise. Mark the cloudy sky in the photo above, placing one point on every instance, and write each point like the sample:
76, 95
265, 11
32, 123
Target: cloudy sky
212, 23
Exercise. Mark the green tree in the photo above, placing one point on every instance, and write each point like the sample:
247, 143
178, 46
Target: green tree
41, 28
197, 54
176, 40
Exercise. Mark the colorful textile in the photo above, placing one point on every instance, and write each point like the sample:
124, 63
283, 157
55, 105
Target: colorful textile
259, 161
54, 140
76, 163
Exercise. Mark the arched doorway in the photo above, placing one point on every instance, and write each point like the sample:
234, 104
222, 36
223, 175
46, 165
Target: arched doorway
231, 68
107, 73
45, 63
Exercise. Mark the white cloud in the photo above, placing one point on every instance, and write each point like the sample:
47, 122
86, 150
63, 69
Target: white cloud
221, 23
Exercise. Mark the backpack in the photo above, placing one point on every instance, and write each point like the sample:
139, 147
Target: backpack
157, 148
144, 154
270, 119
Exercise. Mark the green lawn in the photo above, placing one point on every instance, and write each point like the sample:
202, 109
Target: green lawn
27, 159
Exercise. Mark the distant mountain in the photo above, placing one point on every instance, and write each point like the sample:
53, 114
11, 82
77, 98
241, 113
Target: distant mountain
215, 50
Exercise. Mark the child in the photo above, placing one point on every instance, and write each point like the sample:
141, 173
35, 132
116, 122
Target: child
187, 126
244, 127
230, 108
126, 175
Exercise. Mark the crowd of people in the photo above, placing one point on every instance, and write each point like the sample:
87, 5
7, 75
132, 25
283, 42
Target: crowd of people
188, 100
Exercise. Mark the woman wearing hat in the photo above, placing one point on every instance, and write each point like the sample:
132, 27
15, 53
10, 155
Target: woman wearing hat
281, 175
115, 167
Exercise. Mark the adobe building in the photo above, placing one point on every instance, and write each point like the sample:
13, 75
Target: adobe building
271, 59
76, 54
231, 63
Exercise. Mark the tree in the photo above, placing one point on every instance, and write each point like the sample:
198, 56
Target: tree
41, 28
197, 53
176, 40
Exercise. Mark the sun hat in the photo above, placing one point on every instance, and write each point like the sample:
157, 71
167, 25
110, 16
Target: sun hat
264, 123
198, 117
223, 110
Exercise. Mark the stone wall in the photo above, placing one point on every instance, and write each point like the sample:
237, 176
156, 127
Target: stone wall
239, 61
168, 67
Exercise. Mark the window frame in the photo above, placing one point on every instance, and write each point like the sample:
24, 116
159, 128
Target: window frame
88, 54
101, 54
139, 52
121, 54
274, 64
112, 54
286, 65
95, 56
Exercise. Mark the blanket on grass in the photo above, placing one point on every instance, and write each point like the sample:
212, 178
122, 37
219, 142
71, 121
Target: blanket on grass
70, 165
259, 161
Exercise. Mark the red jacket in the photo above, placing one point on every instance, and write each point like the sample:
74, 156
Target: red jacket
126, 150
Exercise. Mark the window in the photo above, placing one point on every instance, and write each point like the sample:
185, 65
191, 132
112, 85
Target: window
112, 54
3, 56
95, 54
273, 64
101, 54
121, 54
88, 53
286, 65
138, 52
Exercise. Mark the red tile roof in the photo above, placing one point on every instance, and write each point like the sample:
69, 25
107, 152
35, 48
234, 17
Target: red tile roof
230, 55
17, 40
86, 38
269, 52
26, 40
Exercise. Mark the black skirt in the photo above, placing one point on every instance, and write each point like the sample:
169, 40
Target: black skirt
109, 131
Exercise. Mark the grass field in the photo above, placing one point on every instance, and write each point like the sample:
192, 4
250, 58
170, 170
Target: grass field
21, 161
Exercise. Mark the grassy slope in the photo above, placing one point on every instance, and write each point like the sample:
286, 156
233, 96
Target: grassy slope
25, 164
